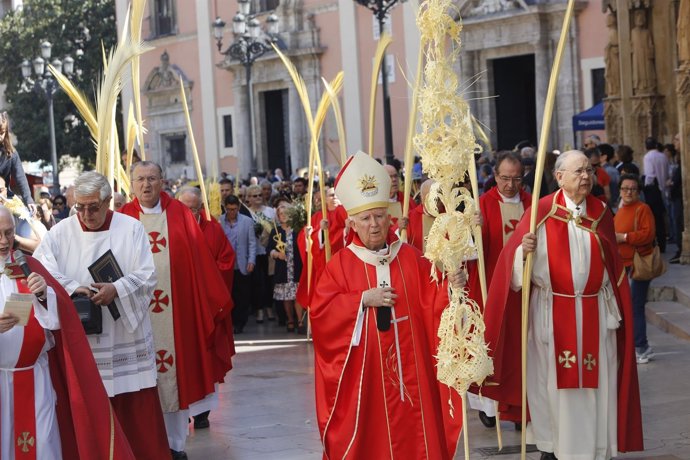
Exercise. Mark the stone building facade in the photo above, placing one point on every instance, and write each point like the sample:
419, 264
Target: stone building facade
648, 69
508, 46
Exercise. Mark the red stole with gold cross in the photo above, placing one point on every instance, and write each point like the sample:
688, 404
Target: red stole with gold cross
568, 362
23, 385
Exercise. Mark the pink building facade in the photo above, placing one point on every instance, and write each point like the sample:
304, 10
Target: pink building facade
509, 45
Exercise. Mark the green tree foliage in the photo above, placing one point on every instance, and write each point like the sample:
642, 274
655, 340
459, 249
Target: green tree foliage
70, 25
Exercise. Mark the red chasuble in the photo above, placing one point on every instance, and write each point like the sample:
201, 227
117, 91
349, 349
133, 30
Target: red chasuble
88, 427
496, 231
363, 408
503, 333
222, 252
201, 297
336, 228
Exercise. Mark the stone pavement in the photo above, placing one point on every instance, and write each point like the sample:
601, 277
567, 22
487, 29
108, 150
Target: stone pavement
267, 405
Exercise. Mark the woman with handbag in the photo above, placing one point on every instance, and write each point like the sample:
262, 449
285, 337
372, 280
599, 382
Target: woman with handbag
635, 233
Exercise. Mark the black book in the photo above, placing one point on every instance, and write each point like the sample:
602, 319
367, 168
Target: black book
107, 270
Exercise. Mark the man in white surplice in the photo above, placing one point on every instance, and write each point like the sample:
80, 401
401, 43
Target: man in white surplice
582, 388
124, 351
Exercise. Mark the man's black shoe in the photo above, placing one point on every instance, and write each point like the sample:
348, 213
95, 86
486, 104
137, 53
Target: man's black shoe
201, 421
487, 421
548, 456
178, 455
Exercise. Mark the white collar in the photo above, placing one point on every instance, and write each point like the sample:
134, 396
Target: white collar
577, 209
515, 199
157, 209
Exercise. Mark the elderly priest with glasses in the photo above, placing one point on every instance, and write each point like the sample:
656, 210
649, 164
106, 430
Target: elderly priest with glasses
582, 388
104, 256
374, 317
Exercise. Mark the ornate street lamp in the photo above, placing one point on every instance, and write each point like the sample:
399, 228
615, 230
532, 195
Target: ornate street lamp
44, 84
250, 43
380, 8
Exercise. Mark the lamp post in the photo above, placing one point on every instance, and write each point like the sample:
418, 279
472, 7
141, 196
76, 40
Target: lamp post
380, 9
44, 84
248, 46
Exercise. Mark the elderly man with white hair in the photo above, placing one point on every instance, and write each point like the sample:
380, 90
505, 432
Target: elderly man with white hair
582, 387
124, 351
374, 317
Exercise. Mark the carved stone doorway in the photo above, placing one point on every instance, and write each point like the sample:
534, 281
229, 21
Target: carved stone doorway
275, 105
516, 112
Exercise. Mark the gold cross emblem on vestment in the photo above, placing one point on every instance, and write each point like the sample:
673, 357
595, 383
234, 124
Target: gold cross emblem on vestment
590, 362
25, 440
566, 358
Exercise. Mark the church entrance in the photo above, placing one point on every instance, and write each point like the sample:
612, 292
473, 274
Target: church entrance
277, 129
516, 110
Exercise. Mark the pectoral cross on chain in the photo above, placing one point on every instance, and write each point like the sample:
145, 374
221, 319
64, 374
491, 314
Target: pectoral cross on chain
383, 284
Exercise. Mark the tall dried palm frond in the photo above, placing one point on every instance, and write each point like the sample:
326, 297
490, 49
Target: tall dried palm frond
131, 135
79, 99
109, 89
342, 141
138, 10
299, 85
384, 42
197, 162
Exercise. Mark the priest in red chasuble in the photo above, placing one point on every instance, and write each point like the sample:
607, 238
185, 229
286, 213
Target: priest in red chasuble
374, 319
188, 301
224, 255
502, 208
582, 387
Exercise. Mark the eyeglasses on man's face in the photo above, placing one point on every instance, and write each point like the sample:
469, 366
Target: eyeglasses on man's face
88, 208
515, 180
629, 189
582, 171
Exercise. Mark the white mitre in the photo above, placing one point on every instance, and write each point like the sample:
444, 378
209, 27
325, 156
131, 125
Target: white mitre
362, 184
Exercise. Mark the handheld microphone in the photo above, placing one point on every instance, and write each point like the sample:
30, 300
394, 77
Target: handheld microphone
383, 318
20, 260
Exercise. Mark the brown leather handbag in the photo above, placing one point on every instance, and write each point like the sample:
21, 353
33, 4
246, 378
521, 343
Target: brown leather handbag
650, 266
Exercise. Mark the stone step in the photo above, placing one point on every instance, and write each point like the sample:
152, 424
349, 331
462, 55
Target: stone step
671, 317
669, 294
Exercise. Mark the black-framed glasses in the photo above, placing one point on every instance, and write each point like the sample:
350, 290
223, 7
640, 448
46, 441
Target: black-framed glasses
629, 189
90, 208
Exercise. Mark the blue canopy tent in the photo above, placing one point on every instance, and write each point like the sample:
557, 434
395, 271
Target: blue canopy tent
589, 120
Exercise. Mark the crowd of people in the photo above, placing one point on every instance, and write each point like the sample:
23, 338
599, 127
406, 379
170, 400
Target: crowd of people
162, 288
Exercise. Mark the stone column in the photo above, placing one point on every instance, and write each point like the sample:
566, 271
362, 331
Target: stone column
683, 97
623, 15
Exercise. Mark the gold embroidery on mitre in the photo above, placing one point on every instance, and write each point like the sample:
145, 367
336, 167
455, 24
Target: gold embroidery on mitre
25, 440
567, 359
590, 362
368, 186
